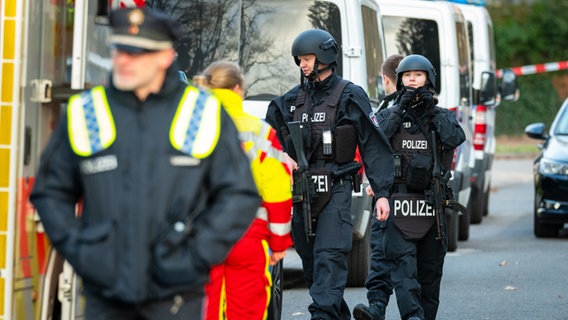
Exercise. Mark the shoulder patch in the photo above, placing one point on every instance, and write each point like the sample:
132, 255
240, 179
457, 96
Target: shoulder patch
374, 119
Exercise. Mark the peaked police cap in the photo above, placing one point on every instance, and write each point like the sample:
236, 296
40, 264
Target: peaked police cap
139, 30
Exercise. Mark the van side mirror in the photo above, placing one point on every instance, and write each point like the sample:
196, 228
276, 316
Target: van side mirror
488, 88
509, 86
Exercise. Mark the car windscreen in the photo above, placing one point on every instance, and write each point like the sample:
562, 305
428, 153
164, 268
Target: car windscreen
561, 123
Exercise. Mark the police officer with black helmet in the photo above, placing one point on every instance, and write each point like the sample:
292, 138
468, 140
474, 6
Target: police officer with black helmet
415, 244
337, 117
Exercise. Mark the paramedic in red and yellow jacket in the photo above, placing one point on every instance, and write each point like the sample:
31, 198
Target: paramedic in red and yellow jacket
240, 287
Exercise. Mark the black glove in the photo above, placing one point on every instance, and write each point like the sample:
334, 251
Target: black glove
407, 98
425, 96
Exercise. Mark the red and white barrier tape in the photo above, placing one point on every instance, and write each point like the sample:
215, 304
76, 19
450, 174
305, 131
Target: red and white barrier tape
537, 68
127, 4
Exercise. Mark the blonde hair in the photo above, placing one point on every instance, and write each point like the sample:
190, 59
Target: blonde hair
224, 75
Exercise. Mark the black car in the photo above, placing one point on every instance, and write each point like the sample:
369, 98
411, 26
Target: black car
551, 175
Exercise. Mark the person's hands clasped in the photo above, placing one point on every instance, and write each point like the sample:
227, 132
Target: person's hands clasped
407, 99
425, 95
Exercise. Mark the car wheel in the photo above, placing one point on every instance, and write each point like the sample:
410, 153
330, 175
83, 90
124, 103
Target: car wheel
275, 305
453, 229
486, 201
542, 230
360, 260
477, 204
464, 222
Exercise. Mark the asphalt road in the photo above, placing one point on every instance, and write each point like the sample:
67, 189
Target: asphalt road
502, 272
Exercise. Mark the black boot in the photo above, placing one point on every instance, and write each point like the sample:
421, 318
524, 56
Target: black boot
375, 311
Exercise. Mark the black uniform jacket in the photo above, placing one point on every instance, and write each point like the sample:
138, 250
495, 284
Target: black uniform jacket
125, 245
354, 109
433, 117
441, 120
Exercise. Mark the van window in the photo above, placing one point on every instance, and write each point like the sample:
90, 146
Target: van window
373, 51
271, 70
258, 37
493, 63
470, 34
413, 36
464, 65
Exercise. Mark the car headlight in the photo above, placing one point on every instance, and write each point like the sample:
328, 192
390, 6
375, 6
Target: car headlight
553, 167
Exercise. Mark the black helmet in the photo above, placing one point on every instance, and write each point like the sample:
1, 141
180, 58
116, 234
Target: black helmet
318, 42
415, 62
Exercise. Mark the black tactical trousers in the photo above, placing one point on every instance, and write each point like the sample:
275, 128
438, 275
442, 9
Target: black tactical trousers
324, 258
416, 270
379, 286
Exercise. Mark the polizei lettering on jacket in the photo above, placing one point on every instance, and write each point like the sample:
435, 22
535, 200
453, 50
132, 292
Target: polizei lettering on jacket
412, 208
415, 144
99, 164
317, 117
321, 183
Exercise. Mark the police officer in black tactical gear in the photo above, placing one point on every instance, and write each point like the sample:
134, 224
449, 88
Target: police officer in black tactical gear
414, 235
336, 115
378, 281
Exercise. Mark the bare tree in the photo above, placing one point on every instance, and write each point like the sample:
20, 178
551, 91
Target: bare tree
325, 15
236, 30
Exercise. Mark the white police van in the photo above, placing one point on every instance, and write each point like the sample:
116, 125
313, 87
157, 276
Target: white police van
486, 98
437, 30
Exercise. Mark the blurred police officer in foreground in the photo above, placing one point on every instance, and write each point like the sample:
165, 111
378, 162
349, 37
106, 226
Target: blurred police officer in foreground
415, 241
336, 115
165, 186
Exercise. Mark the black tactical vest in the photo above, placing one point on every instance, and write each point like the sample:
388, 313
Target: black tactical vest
412, 215
416, 158
322, 118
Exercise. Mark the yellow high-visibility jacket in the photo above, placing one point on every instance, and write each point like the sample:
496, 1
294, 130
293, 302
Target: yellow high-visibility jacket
270, 172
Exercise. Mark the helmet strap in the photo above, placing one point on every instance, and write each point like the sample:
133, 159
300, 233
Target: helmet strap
329, 67
314, 72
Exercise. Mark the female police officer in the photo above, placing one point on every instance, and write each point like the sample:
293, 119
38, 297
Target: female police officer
414, 242
336, 114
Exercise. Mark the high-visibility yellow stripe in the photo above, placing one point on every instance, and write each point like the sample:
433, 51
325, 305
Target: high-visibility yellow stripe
8, 51
108, 130
5, 125
10, 62
196, 125
91, 105
10, 8
7, 82
4, 176
77, 126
